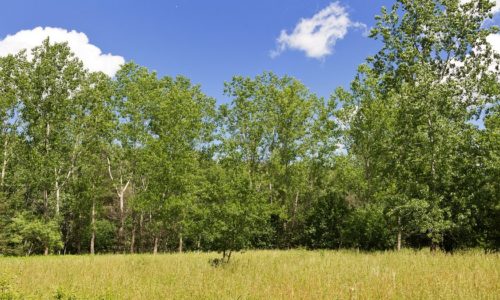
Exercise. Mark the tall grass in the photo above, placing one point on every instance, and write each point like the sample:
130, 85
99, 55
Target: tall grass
294, 274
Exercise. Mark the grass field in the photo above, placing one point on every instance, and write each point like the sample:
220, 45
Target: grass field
294, 274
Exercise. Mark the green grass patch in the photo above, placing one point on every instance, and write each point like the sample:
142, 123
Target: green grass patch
294, 274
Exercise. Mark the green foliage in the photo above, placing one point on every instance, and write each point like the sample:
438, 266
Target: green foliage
105, 236
409, 114
237, 214
369, 229
277, 129
327, 221
140, 163
27, 235
6, 290
61, 294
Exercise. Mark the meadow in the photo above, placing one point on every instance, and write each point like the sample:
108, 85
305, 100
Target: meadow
292, 274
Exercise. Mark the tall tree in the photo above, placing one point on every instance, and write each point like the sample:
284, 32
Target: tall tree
272, 126
432, 76
52, 106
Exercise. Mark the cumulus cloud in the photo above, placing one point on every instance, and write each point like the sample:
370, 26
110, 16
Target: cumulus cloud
91, 56
318, 35
494, 40
496, 9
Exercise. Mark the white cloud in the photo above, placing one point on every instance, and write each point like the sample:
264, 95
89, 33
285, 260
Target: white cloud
496, 8
317, 35
494, 40
90, 55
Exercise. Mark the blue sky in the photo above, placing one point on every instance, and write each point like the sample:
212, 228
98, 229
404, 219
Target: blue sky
207, 41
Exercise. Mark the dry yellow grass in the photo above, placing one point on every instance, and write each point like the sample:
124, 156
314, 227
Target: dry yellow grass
294, 274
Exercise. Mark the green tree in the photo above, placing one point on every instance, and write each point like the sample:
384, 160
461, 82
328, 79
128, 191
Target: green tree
273, 127
411, 105
52, 106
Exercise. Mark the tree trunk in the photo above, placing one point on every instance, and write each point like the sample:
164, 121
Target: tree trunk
122, 205
141, 236
155, 247
46, 202
399, 233
5, 159
46, 251
132, 240
120, 191
121, 234
180, 243
45, 192
122, 216
58, 198
92, 238
295, 204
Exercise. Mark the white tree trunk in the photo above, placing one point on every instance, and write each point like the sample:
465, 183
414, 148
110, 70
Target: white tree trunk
181, 243
46, 201
141, 236
122, 217
155, 247
399, 233
5, 160
132, 241
120, 191
58, 197
92, 239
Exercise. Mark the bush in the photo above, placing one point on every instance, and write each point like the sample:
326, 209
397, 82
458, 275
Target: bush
28, 235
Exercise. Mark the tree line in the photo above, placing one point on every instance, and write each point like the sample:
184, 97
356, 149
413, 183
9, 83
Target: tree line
143, 163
